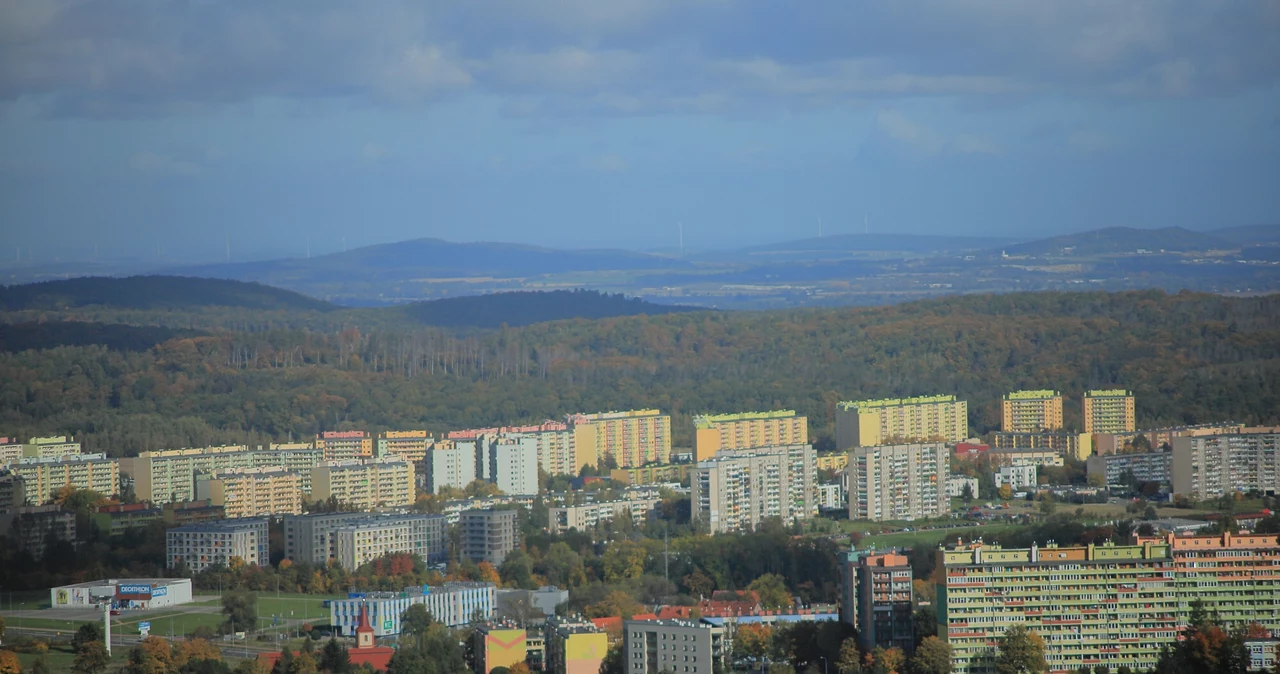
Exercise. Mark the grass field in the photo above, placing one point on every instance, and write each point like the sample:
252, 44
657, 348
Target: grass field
908, 539
61, 661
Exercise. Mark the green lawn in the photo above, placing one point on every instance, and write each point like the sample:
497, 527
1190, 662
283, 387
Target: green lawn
61, 661
932, 537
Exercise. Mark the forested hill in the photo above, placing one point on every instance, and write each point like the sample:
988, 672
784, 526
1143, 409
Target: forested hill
524, 308
15, 337
153, 293
1120, 240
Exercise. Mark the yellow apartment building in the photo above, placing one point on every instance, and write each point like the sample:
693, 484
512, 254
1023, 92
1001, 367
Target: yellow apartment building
1109, 412
632, 438
869, 423
1031, 411
44, 477
411, 446
747, 430
365, 484
343, 445
252, 492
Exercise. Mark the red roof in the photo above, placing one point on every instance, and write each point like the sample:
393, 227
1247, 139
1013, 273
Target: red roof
377, 657
614, 623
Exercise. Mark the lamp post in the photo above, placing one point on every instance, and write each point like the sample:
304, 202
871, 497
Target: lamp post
824, 664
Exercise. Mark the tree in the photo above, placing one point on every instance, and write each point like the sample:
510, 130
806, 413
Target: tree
752, 639
623, 560
488, 574
414, 621
1006, 492
966, 494
336, 659
9, 663
518, 668
91, 658
613, 662
1205, 647
1, 629
850, 661
699, 584
772, 590
41, 664
888, 660
195, 650
925, 622
285, 663
91, 631
932, 656
241, 610
616, 603
305, 663
152, 655
1021, 651
517, 570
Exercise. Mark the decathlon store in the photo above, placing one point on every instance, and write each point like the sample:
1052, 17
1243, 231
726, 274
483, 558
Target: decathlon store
124, 593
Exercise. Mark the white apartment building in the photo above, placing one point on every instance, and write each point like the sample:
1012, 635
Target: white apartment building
1017, 476
208, 544
169, 476
358, 542
309, 538
44, 477
1210, 466
588, 515
738, 489
898, 482
451, 463
830, 496
511, 462
957, 483
365, 484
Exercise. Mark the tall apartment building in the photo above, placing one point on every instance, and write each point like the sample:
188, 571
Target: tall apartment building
10, 451
169, 475
1078, 446
1144, 467
870, 423
633, 438
585, 516
487, 535
1209, 466
898, 482
557, 451
1101, 605
50, 448
252, 492
13, 491
713, 433
653, 646
209, 544
574, 647
360, 541
411, 446
451, 463
886, 602
1109, 411
1031, 411
739, 489
1159, 438
345, 445
510, 462
365, 484
30, 528
309, 538
44, 477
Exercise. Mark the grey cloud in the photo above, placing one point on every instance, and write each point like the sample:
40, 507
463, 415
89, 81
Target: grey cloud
625, 57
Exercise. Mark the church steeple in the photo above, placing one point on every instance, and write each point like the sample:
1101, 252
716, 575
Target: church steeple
364, 632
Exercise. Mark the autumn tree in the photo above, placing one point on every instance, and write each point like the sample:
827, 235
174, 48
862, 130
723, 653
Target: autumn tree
152, 655
91, 658
753, 640
850, 661
623, 560
9, 663
888, 660
772, 590
1021, 651
932, 656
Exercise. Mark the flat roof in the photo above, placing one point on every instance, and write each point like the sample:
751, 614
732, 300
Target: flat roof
126, 581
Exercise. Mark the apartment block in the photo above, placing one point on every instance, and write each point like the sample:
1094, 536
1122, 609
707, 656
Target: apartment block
252, 492
574, 647
50, 448
679, 646
30, 528
1109, 411
169, 475
191, 512
833, 462
886, 602
1159, 438
957, 483
488, 535
870, 423
661, 474
557, 450
361, 541
116, 519
13, 491
496, 646
1144, 467
203, 546
411, 446
510, 462
10, 451
739, 489
1019, 456
345, 445
1017, 476
309, 538
899, 482
1031, 411
1078, 446
451, 463
365, 484
583, 517
44, 477
1209, 466
631, 439
1102, 605
713, 433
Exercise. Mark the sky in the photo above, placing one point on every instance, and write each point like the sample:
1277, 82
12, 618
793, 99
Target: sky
222, 129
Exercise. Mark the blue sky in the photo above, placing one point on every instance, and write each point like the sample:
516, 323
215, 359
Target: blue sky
125, 127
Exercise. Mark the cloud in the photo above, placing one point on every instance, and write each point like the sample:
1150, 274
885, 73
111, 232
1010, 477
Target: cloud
625, 57
605, 163
152, 163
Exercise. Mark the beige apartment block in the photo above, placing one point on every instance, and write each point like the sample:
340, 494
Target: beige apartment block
868, 423
899, 482
633, 438
364, 484
747, 430
344, 445
252, 492
412, 446
739, 489
1031, 411
45, 477
1109, 412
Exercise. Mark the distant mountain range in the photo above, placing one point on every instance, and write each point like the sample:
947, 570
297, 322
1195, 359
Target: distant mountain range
153, 293
524, 308
844, 246
1120, 240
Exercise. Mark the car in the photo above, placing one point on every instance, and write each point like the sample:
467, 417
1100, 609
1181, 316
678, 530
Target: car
115, 611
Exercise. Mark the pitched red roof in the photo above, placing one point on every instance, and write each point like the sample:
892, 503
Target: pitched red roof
377, 657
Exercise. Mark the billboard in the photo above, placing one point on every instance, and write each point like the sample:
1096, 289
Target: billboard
133, 591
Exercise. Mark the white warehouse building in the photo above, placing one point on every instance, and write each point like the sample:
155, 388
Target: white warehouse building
125, 593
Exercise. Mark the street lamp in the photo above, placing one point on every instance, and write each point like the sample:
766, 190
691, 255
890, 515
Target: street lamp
824, 663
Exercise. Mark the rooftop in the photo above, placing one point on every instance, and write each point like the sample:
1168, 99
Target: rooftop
895, 402
709, 420
1042, 394
1108, 393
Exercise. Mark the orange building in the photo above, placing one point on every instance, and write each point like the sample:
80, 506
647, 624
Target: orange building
338, 445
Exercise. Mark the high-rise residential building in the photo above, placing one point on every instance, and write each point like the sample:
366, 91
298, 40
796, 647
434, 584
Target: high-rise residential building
365, 484
899, 482
654, 646
1109, 412
44, 477
633, 438
30, 528
309, 538
411, 446
451, 463
487, 535
13, 491
574, 647
358, 542
1118, 469
557, 451
50, 448
344, 445
169, 475
1209, 466
1031, 411
1102, 604
870, 423
587, 515
1017, 476
1158, 438
252, 492
510, 462
713, 433
209, 544
886, 602
10, 451
1078, 446
496, 646
739, 489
